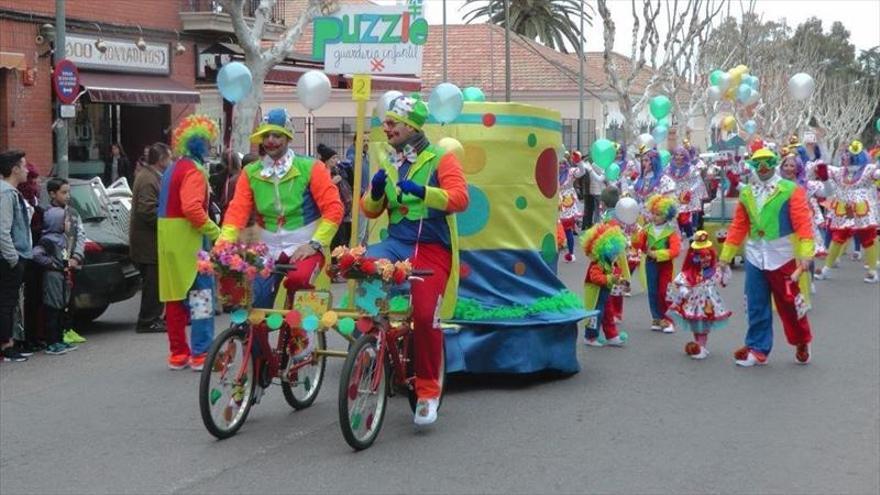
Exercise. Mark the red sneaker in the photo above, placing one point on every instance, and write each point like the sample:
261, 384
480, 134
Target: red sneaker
178, 361
197, 362
802, 353
741, 353
753, 358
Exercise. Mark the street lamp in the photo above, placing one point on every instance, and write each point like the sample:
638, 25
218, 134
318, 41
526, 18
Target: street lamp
99, 43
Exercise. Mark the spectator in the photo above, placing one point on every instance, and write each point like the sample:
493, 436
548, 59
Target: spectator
231, 170
15, 247
51, 253
141, 162
331, 159
29, 331
143, 236
117, 165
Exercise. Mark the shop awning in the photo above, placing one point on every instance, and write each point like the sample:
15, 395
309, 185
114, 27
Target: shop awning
12, 60
119, 88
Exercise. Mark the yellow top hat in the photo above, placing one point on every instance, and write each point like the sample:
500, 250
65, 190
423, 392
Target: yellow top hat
856, 147
701, 240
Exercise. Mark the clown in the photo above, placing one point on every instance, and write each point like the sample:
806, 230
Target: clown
697, 305
689, 188
661, 243
184, 229
773, 219
421, 187
792, 168
569, 205
629, 169
852, 207
297, 207
605, 244
651, 179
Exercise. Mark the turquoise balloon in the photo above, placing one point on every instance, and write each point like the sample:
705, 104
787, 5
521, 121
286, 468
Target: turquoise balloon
234, 81
743, 92
602, 152
446, 102
472, 93
664, 157
660, 133
715, 76
239, 316
310, 323
664, 121
660, 106
750, 127
612, 173
877, 125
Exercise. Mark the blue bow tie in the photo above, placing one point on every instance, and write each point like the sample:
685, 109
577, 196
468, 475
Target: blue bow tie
408, 154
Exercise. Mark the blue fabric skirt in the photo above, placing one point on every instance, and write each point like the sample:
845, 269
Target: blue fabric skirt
491, 349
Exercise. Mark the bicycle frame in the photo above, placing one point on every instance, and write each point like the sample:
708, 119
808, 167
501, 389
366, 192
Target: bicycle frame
387, 337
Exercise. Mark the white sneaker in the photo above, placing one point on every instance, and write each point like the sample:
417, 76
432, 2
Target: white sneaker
668, 327
823, 274
655, 325
812, 288
751, 359
836, 263
871, 277
703, 354
616, 342
593, 343
856, 256
426, 412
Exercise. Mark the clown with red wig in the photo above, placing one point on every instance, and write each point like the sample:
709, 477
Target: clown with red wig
697, 305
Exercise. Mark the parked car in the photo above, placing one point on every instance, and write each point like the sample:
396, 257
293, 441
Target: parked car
108, 275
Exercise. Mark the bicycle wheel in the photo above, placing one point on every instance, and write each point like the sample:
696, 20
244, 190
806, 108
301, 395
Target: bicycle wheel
362, 393
410, 371
226, 388
302, 389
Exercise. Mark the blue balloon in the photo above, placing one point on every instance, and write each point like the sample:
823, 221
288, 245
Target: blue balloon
753, 82
473, 93
446, 102
234, 81
750, 127
660, 133
743, 92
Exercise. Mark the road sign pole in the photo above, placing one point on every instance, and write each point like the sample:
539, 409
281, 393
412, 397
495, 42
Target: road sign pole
62, 168
360, 92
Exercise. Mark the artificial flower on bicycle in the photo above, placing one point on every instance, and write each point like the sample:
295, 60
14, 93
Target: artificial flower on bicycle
236, 266
353, 263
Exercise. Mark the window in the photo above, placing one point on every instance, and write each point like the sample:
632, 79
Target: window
569, 133
337, 132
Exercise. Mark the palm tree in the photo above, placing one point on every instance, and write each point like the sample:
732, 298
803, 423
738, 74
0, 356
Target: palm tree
552, 22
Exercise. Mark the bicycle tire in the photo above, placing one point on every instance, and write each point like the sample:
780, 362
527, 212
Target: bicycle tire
207, 392
348, 422
410, 370
314, 385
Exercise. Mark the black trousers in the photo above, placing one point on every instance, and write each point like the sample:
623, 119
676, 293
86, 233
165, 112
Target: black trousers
54, 324
151, 307
10, 283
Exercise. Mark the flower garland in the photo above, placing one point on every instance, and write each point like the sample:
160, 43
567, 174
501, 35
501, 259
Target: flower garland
236, 266
352, 263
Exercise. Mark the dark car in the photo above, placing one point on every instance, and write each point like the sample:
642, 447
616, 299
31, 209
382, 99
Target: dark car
108, 275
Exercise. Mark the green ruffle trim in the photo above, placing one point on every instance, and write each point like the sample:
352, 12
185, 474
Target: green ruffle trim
472, 310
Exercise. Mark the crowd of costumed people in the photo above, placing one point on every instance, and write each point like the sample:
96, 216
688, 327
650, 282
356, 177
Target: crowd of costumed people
793, 215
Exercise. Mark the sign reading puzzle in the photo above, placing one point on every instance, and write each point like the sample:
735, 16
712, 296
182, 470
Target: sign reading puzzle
368, 39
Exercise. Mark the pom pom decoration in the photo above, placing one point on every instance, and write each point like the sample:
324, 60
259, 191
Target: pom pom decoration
346, 326
692, 348
659, 204
310, 323
329, 319
274, 321
293, 319
193, 136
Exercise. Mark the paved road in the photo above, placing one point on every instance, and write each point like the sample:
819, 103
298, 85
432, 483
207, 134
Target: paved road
110, 418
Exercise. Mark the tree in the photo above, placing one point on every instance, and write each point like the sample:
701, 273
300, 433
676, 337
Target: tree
552, 22
260, 59
684, 24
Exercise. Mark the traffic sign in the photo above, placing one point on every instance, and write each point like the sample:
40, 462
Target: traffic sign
65, 81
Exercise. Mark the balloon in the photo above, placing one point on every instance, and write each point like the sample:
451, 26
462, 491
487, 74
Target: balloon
627, 211
446, 102
724, 81
472, 93
234, 81
310, 323
752, 81
728, 124
750, 127
313, 89
346, 326
646, 140
714, 93
329, 319
660, 106
743, 92
715, 76
665, 155
384, 103
877, 125
730, 94
663, 121
602, 152
660, 133
452, 145
801, 86
612, 173
754, 96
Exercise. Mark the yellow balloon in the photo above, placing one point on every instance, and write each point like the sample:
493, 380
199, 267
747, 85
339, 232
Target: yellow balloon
730, 94
329, 319
452, 145
728, 124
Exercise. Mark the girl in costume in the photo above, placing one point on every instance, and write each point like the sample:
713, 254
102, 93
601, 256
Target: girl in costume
689, 188
569, 205
793, 169
651, 179
605, 244
661, 243
852, 207
696, 303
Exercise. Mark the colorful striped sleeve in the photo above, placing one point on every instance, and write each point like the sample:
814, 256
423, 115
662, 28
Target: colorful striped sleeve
326, 195
452, 193
193, 190
239, 210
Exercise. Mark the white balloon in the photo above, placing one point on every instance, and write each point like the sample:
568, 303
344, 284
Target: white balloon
646, 140
627, 211
724, 81
384, 103
754, 96
313, 89
801, 86
714, 93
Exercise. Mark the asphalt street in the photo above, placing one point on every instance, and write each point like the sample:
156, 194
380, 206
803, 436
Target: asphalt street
111, 418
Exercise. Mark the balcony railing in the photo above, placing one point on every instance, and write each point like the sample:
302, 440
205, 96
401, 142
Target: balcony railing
209, 16
276, 15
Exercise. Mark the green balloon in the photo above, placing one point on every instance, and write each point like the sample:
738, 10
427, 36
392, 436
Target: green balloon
665, 155
473, 94
715, 76
346, 326
660, 106
877, 125
612, 173
602, 152
664, 121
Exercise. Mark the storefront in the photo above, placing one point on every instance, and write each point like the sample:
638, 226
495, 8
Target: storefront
128, 97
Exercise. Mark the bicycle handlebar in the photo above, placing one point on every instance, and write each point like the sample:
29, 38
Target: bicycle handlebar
422, 273
283, 269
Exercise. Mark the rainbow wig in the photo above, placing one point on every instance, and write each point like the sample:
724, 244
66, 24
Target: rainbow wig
193, 137
662, 205
656, 169
604, 242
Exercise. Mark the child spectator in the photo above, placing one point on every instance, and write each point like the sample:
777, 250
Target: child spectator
51, 253
75, 238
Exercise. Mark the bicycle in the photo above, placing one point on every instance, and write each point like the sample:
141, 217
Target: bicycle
384, 349
242, 364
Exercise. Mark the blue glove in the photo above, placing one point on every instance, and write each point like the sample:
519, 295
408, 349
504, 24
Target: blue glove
410, 187
377, 187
